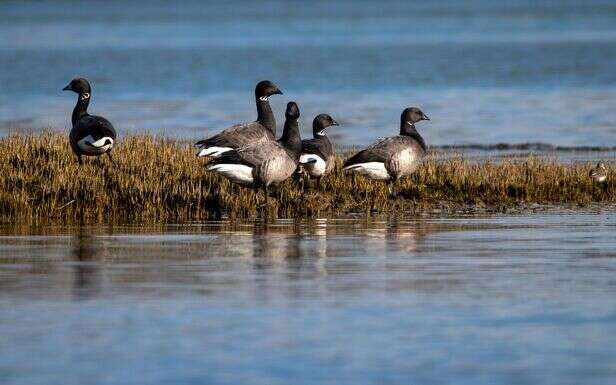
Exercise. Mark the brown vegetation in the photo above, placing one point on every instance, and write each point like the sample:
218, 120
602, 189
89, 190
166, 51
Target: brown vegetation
161, 180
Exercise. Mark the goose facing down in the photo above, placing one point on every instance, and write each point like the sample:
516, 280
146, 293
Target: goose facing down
264, 128
91, 135
318, 156
263, 163
392, 158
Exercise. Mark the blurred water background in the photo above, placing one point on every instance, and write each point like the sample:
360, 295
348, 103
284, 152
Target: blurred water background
485, 71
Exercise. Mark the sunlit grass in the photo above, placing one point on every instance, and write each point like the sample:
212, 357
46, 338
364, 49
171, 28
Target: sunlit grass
161, 180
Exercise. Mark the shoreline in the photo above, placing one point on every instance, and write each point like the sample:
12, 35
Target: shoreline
160, 180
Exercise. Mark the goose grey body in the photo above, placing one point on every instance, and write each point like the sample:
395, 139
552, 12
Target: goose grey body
240, 135
91, 135
392, 158
599, 173
318, 157
266, 162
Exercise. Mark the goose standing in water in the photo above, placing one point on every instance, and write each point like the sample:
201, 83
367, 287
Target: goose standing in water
91, 135
318, 156
391, 158
245, 133
263, 163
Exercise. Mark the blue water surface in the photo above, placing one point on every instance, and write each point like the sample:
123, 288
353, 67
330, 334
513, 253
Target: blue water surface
484, 71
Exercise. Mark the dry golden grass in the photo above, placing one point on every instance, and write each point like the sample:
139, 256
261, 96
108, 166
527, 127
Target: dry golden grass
161, 180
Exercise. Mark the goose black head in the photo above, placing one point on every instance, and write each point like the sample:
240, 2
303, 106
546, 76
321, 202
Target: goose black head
321, 122
412, 115
265, 89
292, 111
78, 85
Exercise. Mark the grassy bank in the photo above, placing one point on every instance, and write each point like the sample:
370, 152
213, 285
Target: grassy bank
161, 180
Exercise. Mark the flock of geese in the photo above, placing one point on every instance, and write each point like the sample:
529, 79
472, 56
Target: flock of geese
249, 154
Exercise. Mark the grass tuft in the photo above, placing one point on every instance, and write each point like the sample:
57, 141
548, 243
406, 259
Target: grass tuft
160, 180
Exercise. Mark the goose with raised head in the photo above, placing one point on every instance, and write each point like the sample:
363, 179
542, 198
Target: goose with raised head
264, 128
392, 158
91, 135
318, 157
263, 163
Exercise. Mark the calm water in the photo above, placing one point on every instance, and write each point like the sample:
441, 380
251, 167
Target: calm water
496, 300
485, 71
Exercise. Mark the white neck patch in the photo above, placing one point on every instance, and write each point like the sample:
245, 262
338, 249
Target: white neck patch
84, 96
263, 98
322, 132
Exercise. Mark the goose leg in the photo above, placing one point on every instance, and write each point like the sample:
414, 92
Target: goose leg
392, 188
318, 183
110, 157
79, 159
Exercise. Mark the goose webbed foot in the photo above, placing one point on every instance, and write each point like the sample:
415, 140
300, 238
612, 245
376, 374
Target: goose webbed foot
79, 160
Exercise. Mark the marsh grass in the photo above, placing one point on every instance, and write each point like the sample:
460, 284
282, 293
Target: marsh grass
160, 180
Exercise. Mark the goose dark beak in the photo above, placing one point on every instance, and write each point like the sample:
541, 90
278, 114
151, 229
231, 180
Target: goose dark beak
334, 123
277, 92
67, 88
425, 117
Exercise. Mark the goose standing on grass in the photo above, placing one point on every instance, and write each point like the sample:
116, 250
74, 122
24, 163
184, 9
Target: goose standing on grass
392, 158
91, 135
599, 173
599, 176
245, 133
318, 156
263, 163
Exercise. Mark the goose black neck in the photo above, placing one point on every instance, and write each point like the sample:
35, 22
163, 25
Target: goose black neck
316, 129
408, 129
291, 139
265, 116
81, 108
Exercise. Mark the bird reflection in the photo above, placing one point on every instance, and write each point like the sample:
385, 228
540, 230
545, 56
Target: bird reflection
86, 271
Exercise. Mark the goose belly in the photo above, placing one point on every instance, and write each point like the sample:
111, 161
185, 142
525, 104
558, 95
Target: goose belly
313, 164
405, 162
372, 170
91, 146
276, 170
237, 173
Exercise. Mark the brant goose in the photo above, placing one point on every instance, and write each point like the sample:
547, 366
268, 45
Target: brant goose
318, 157
263, 163
245, 133
599, 173
391, 158
91, 135
599, 176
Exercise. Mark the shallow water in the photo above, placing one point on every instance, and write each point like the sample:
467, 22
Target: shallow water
466, 300
484, 71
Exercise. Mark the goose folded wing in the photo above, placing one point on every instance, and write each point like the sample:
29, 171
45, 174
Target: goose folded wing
312, 147
95, 126
236, 136
380, 151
